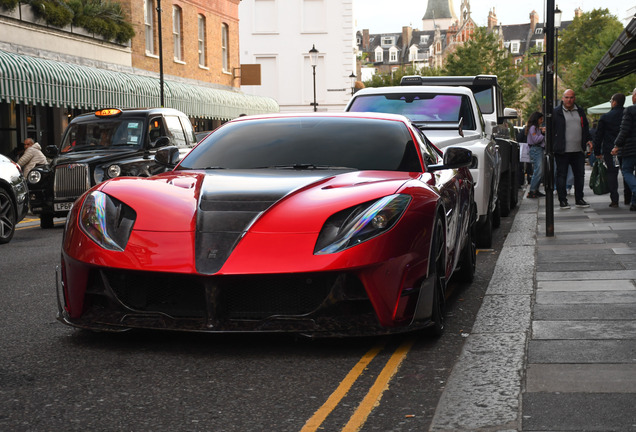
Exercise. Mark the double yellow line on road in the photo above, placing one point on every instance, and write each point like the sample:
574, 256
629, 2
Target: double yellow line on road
372, 398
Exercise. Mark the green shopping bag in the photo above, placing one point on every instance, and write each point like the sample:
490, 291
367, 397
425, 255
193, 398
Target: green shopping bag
598, 178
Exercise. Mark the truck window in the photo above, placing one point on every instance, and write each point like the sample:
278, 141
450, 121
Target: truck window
419, 107
485, 100
176, 130
102, 134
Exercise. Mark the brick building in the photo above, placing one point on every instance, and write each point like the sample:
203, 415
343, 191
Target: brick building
49, 74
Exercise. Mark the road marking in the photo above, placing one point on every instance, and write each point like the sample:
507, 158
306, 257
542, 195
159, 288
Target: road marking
319, 416
372, 399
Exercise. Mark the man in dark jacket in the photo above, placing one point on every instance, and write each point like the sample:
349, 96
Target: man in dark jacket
626, 144
571, 140
606, 133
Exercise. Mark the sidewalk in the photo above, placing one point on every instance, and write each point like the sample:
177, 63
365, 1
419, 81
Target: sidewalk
553, 347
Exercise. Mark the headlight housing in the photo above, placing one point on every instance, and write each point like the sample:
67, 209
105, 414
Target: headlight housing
358, 224
106, 220
34, 176
113, 171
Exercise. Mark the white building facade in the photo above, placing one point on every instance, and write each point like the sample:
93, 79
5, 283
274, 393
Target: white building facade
278, 35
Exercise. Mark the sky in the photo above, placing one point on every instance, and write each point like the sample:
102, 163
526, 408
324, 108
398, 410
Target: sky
382, 16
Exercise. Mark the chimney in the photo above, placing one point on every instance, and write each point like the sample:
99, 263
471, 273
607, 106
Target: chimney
578, 12
492, 19
407, 34
365, 39
534, 20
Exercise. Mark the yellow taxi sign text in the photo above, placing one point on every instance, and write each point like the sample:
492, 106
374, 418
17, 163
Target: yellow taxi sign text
108, 112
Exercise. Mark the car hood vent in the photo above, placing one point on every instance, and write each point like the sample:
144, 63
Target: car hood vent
230, 203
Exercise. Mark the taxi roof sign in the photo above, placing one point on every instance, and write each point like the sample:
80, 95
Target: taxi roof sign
108, 112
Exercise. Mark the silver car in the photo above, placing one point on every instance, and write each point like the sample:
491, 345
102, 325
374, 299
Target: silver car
14, 203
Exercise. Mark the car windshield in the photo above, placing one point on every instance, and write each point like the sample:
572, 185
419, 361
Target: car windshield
103, 134
419, 107
308, 143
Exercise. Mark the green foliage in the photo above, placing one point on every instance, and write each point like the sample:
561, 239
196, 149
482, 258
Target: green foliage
583, 45
8, 4
482, 55
54, 12
104, 18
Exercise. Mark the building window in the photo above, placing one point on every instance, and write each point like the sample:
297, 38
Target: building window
378, 55
424, 39
201, 20
393, 55
149, 26
314, 16
387, 40
538, 30
539, 44
176, 33
514, 47
265, 16
225, 52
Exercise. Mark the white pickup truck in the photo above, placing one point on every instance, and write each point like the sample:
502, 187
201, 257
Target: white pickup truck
438, 111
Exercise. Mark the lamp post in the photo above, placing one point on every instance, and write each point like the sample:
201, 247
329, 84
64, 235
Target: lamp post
352, 77
557, 25
548, 109
313, 58
160, 52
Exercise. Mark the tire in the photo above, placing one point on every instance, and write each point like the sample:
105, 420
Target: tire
467, 260
437, 271
8, 217
46, 221
503, 195
484, 233
496, 217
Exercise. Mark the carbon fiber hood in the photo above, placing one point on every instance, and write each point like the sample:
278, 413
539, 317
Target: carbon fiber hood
231, 201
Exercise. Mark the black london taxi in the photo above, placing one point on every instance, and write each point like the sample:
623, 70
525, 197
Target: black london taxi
102, 145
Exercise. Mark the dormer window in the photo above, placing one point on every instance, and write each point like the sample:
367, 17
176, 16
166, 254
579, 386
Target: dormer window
538, 30
424, 39
514, 47
387, 40
393, 55
379, 55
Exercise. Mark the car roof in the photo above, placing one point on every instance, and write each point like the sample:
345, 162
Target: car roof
413, 89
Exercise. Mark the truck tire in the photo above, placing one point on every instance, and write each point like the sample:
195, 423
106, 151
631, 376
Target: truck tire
483, 237
46, 221
504, 193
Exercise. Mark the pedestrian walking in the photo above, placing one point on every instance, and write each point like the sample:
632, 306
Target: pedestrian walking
32, 156
571, 141
606, 133
625, 144
536, 142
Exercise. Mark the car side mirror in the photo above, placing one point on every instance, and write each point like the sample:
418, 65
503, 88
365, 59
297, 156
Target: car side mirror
167, 156
454, 157
50, 151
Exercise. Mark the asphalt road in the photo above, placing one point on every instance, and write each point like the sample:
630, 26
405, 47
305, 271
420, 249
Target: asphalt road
54, 377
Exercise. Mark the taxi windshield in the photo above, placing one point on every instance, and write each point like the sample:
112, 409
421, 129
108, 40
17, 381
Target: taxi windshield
103, 134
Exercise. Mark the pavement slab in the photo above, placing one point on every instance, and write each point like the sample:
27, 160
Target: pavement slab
581, 378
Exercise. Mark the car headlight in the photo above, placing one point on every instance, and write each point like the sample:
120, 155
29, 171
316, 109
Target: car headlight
113, 171
34, 176
358, 224
106, 220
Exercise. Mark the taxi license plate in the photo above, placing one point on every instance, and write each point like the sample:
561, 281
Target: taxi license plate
62, 206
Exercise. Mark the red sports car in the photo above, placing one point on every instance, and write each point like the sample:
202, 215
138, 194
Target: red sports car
318, 224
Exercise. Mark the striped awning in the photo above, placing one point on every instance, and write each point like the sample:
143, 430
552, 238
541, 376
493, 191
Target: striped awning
32, 80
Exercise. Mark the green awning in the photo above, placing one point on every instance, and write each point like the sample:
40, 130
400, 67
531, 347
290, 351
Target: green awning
32, 80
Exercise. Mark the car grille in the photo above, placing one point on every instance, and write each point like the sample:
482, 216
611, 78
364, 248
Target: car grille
71, 180
231, 297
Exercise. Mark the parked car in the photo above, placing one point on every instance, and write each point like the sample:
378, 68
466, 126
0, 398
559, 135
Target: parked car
106, 144
14, 203
318, 224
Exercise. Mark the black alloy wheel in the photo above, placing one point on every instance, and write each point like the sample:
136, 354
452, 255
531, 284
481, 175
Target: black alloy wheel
7, 217
438, 272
